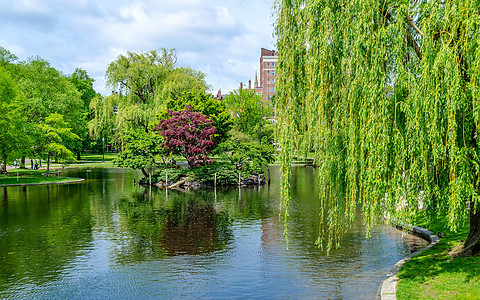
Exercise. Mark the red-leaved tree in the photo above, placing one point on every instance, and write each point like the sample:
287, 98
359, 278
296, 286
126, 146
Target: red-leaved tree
189, 134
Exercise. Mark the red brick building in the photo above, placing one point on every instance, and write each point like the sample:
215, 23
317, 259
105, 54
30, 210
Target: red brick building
266, 86
268, 64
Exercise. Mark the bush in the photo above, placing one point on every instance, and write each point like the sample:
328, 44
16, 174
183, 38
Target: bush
226, 174
173, 174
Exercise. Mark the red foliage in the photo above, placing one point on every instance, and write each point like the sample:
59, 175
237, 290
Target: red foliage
190, 134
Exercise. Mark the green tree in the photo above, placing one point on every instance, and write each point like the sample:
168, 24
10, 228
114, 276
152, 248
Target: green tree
387, 95
142, 150
11, 137
55, 133
141, 83
249, 112
144, 81
240, 149
102, 123
84, 85
45, 91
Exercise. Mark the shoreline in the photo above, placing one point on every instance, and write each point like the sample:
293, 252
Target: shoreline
76, 180
388, 288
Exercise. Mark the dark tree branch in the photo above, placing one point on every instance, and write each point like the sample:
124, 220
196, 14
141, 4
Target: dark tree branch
410, 40
414, 26
412, 43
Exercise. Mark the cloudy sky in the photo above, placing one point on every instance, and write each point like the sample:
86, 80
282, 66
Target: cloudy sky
220, 38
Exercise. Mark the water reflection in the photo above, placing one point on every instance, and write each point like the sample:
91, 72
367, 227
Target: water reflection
107, 238
42, 229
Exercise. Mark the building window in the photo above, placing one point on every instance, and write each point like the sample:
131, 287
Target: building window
268, 89
273, 89
273, 65
268, 73
268, 97
268, 81
268, 65
273, 73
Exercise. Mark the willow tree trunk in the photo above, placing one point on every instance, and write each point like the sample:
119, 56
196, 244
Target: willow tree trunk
471, 247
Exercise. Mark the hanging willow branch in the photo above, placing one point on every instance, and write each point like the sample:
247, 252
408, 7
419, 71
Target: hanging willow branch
386, 94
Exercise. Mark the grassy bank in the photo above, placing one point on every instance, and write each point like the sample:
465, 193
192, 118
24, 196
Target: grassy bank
27, 176
434, 275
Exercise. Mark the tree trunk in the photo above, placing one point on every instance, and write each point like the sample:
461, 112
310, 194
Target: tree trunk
22, 162
144, 173
3, 165
471, 247
78, 155
48, 164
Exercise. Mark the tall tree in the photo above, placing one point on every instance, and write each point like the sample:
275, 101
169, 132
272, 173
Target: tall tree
84, 85
144, 81
141, 84
55, 134
11, 120
387, 93
249, 112
45, 91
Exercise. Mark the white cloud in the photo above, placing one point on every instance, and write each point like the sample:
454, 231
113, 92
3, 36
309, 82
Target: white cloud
220, 38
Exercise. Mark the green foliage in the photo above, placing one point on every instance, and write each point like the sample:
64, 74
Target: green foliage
143, 81
248, 110
47, 91
103, 120
226, 174
84, 85
6, 57
173, 174
53, 136
390, 122
141, 150
246, 154
206, 105
11, 120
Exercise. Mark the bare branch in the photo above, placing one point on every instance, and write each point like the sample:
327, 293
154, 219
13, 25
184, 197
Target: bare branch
411, 23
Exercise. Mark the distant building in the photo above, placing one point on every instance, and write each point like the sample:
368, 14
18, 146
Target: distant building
219, 95
268, 65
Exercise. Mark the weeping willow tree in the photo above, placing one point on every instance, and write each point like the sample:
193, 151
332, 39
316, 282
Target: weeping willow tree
386, 94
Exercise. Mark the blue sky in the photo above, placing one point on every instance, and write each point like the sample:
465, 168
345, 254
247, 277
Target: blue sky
220, 38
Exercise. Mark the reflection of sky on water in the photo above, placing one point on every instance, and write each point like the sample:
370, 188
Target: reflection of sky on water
126, 241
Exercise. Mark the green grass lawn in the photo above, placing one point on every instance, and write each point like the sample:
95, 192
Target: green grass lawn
31, 177
109, 156
434, 275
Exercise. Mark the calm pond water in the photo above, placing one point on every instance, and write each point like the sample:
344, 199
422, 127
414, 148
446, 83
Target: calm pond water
108, 239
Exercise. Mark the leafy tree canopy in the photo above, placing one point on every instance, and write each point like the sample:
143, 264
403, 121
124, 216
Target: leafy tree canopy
55, 134
244, 152
11, 121
143, 81
189, 134
84, 85
142, 150
387, 95
249, 112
